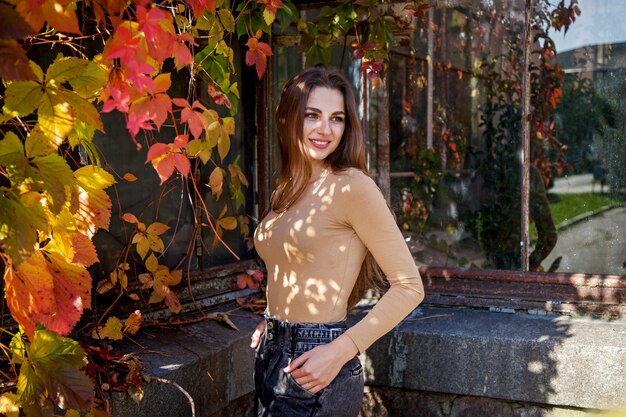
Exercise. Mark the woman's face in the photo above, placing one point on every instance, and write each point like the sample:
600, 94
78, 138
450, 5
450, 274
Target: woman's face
324, 123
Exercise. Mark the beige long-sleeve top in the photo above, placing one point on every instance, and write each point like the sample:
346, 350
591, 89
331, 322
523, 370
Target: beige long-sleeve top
314, 251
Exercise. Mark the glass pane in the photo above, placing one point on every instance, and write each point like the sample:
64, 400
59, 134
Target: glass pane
455, 135
457, 186
587, 200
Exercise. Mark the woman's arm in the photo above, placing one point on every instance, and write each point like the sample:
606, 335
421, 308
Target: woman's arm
368, 214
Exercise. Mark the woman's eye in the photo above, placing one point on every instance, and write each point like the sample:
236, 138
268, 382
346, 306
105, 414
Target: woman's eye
310, 116
338, 119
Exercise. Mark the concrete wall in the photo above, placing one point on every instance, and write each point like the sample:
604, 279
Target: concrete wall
438, 362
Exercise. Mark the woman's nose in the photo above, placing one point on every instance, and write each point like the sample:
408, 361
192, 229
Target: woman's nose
324, 126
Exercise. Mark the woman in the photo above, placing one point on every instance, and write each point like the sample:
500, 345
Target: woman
328, 223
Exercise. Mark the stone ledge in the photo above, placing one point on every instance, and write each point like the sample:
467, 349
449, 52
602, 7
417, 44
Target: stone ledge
556, 360
559, 361
209, 360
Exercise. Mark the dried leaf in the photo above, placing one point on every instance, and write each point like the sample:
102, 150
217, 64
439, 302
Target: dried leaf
133, 322
216, 180
223, 317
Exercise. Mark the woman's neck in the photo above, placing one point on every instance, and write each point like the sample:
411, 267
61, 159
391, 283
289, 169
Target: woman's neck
318, 168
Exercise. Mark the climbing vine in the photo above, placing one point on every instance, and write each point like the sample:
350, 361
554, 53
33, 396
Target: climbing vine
124, 57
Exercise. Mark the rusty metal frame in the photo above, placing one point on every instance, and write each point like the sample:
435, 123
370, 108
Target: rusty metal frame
540, 292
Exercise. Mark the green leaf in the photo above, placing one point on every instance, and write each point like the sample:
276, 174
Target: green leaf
18, 227
22, 98
90, 81
11, 150
206, 21
53, 174
64, 69
30, 387
200, 149
82, 134
38, 144
242, 28
223, 145
84, 110
18, 349
37, 71
227, 19
57, 361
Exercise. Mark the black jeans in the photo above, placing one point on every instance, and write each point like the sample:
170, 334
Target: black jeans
281, 396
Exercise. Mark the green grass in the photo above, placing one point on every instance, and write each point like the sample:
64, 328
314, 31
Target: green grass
567, 206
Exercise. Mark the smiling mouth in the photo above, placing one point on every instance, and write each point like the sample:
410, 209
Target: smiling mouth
320, 144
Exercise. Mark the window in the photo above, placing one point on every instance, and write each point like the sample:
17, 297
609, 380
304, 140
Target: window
454, 140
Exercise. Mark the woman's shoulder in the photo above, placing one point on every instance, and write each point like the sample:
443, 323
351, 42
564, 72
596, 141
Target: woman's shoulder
354, 180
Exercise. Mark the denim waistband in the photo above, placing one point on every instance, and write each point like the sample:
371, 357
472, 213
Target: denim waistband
297, 337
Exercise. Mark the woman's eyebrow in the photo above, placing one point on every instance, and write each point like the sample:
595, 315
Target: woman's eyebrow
313, 109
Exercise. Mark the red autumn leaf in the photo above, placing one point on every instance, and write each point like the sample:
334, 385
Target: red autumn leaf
196, 121
199, 6
257, 55
166, 157
123, 44
155, 108
158, 30
49, 291
137, 121
182, 56
130, 177
119, 100
219, 97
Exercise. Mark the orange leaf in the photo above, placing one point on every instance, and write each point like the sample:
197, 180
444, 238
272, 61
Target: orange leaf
130, 177
130, 218
133, 322
216, 180
61, 16
257, 55
84, 250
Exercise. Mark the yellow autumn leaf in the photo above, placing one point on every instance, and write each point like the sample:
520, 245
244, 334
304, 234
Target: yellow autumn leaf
157, 229
8, 405
228, 223
56, 117
111, 330
223, 144
151, 263
94, 208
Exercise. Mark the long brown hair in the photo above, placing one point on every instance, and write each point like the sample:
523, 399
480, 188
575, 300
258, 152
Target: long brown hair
295, 168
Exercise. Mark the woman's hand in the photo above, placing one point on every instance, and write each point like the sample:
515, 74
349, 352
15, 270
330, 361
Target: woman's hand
256, 336
316, 369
